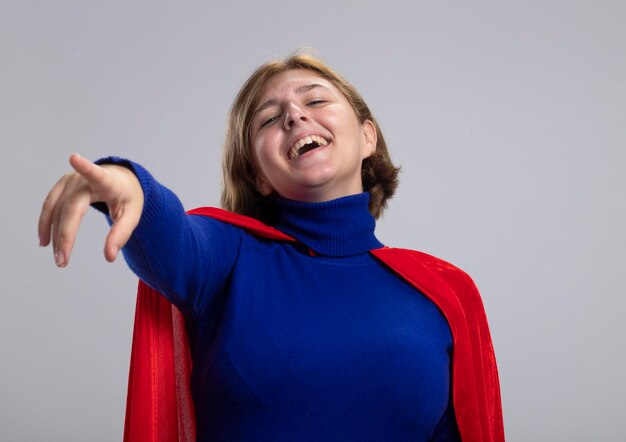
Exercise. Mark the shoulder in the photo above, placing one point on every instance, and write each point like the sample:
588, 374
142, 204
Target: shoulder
426, 270
251, 225
438, 265
431, 262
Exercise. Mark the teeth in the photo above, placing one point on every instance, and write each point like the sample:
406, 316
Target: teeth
295, 149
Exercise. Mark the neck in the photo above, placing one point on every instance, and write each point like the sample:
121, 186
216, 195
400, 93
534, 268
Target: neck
340, 227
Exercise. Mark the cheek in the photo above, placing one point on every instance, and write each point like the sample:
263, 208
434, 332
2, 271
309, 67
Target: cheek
343, 121
263, 154
262, 151
259, 143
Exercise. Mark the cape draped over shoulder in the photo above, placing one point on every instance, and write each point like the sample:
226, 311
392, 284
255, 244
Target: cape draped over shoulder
159, 405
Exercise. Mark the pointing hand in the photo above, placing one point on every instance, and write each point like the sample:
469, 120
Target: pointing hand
69, 199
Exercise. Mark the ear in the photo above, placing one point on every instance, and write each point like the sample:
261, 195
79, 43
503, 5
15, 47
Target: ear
370, 138
263, 186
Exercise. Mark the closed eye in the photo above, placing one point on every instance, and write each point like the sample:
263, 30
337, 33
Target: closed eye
270, 120
315, 102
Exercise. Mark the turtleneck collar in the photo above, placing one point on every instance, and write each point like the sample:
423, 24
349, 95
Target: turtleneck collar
340, 227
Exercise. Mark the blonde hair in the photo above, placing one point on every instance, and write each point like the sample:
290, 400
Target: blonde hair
240, 193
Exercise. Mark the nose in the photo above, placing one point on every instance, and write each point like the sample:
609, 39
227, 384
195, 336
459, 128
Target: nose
294, 114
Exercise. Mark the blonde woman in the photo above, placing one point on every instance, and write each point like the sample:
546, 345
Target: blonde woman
297, 323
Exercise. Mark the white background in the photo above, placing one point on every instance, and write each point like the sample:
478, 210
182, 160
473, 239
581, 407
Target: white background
508, 120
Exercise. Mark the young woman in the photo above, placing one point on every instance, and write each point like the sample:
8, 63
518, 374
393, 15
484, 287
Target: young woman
299, 324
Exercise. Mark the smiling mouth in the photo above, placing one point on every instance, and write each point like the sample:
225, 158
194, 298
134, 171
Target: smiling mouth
305, 145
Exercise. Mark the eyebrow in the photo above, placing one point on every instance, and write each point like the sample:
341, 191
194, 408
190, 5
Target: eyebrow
299, 90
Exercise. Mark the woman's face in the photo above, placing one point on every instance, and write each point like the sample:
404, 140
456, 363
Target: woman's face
307, 141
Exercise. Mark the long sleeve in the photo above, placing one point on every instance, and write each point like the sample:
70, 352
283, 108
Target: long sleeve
187, 258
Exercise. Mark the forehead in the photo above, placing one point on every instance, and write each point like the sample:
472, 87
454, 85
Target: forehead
288, 81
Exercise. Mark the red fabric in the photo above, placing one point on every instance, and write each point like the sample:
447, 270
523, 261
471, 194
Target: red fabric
159, 405
476, 389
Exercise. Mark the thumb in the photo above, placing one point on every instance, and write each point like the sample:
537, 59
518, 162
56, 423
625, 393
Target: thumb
121, 230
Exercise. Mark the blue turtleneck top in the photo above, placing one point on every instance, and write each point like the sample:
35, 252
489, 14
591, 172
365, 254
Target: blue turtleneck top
316, 341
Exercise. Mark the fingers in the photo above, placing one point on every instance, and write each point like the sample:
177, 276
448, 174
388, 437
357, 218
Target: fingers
116, 239
66, 221
123, 227
69, 200
85, 167
63, 209
99, 180
47, 212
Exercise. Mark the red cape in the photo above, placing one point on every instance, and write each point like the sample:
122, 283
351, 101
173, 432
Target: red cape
159, 407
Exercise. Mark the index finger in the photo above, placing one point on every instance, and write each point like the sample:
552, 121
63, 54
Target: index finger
95, 175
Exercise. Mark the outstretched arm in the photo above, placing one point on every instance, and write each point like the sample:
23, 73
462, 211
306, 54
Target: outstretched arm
187, 258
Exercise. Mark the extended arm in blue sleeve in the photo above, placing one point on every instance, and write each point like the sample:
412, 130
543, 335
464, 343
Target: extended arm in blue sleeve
187, 258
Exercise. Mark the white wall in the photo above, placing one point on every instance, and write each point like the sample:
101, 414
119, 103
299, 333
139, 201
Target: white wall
508, 121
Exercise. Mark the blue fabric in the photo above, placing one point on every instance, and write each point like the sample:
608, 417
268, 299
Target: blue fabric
306, 342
